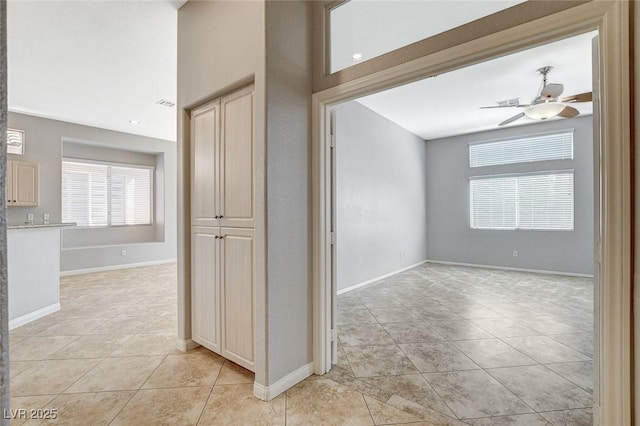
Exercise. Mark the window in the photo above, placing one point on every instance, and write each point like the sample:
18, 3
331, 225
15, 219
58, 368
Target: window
103, 194
541, 147
362, 29
540, 201
15, 142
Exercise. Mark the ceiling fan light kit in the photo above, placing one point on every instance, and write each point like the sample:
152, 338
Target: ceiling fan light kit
544, 110
547, 103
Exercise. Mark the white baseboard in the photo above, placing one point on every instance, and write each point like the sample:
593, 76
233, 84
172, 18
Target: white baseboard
115, 267
32, 316
506, 268
186, 345
381, 277
267, 393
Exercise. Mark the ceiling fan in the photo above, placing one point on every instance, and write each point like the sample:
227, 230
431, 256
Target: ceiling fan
547, 104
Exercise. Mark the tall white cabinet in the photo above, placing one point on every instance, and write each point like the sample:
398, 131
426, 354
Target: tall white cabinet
222, 227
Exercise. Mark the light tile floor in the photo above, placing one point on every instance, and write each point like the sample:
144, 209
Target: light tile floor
482, 346
431, 346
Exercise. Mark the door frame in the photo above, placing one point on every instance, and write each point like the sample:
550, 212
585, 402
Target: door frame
612, 20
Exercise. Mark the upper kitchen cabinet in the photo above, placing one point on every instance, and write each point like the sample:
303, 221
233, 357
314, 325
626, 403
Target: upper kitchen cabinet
22, 184
222, 162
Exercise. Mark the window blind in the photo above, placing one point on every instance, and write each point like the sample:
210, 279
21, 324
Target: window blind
541, 201
541, 147
15, 141
130, 196
97, 194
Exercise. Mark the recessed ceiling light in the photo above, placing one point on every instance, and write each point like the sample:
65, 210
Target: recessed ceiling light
357, 56
134, 121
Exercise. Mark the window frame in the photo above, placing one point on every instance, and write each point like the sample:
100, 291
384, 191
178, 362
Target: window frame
109, 164
517, 175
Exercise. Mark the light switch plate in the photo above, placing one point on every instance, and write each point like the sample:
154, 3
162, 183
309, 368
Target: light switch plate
45, 216
30, 217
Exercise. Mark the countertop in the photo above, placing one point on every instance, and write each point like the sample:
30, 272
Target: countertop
40, 225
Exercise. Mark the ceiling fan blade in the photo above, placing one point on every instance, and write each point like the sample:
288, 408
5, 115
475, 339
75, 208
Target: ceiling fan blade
551, 91
512, 119
580, 97
569, 112
505, 106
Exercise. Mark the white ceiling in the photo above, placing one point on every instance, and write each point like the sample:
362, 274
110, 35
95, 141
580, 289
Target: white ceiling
99, 63
449, 104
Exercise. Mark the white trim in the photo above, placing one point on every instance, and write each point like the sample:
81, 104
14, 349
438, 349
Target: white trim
508, 268
186, 345
115, 267
267, 393
100, 246
381, 277
32, 316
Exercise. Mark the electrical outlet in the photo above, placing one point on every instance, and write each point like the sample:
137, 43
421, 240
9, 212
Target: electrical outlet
30, 217
123, 253
45, 216
515, 253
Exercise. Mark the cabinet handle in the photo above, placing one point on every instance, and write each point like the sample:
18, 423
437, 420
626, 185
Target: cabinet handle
222, 238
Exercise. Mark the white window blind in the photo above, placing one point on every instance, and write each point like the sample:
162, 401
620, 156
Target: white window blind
98, 194
541, 147
493, 203
541, 201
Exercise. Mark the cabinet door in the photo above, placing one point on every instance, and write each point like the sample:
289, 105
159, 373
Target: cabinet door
9, 183
205, 132
236, 153
205, 287
25, 184
237, 277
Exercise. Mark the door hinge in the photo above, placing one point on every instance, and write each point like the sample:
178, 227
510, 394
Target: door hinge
334, 335
332, 141
332, 238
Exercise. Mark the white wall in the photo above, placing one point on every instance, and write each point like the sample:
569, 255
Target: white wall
86, 249
450, 236
381, 203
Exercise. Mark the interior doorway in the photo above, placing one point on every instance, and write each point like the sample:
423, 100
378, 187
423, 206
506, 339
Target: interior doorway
437, 226
614, 284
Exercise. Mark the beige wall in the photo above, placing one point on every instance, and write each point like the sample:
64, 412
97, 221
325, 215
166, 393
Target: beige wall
288, 186
220, 47
636, 213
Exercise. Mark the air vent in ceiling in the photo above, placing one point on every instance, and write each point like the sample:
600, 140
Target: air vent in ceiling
509, 102
166, 103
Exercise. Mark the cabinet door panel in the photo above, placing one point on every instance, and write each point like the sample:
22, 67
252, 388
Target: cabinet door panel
237, 258
236, 151
25, 184
205, 288
204, 168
